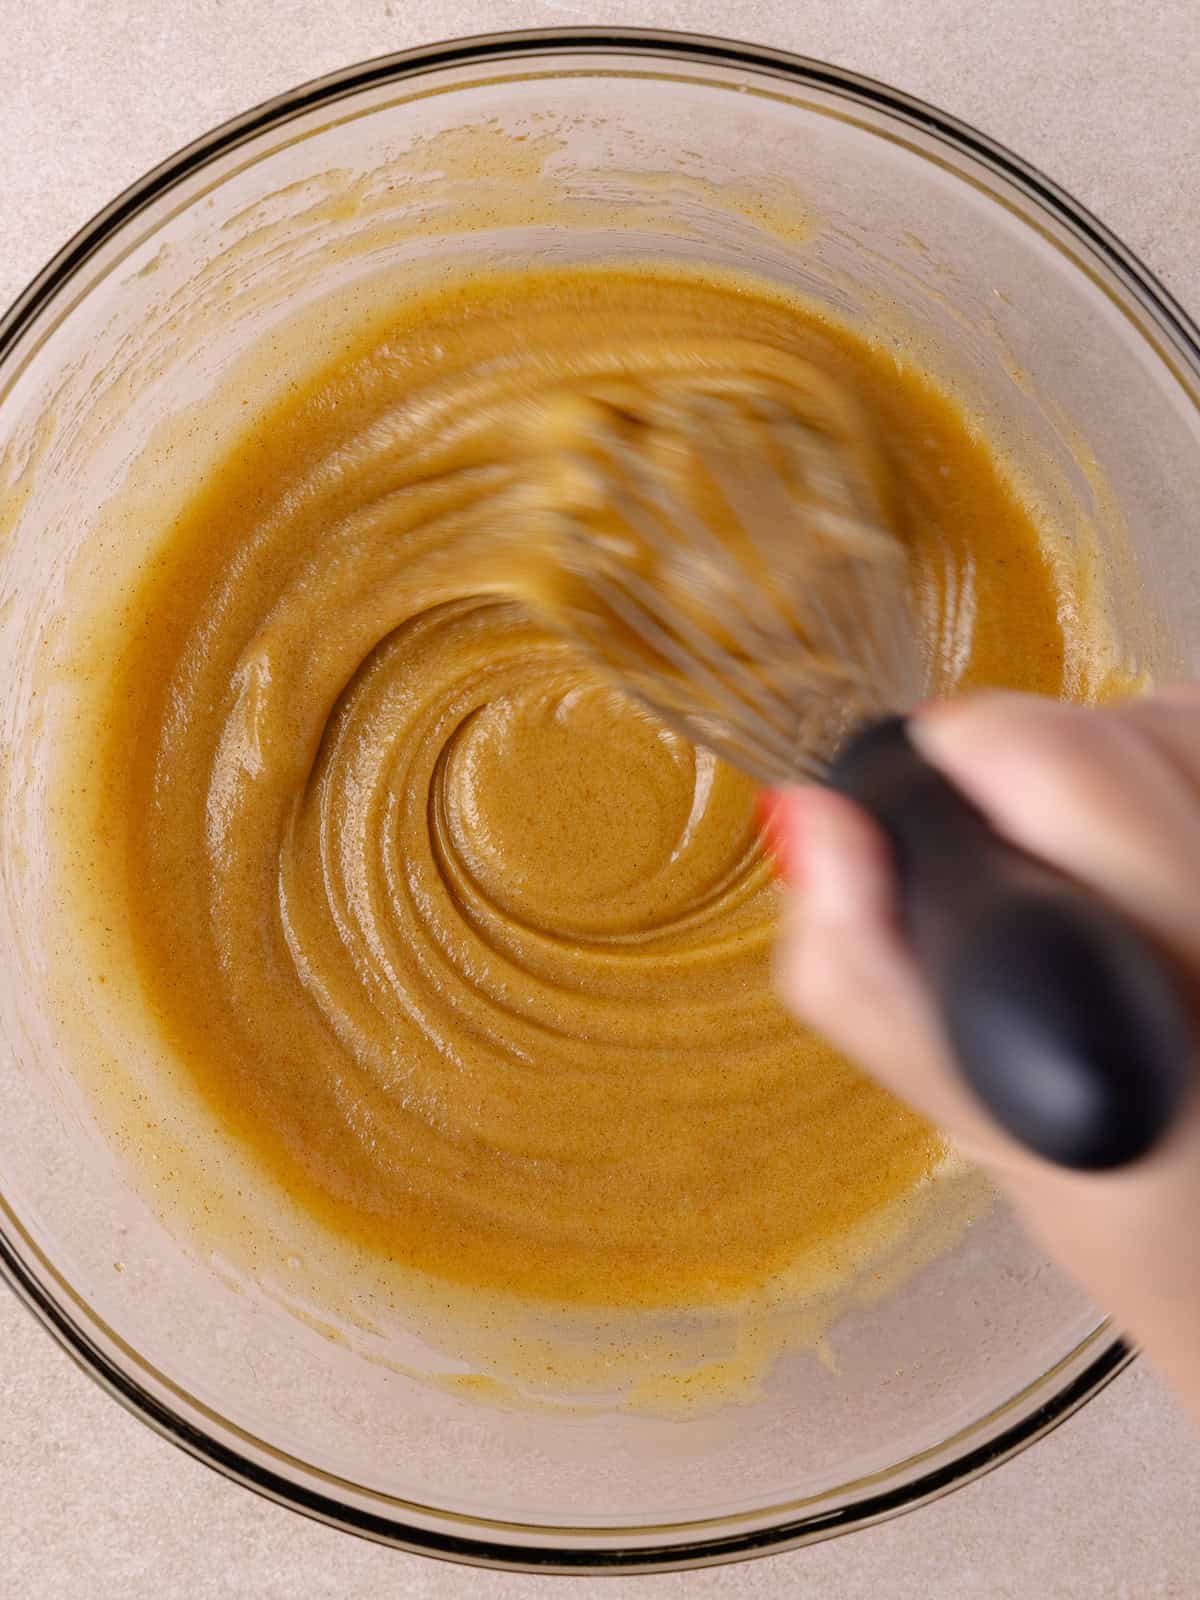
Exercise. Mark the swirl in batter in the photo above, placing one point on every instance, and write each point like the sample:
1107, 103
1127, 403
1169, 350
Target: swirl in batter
470, 951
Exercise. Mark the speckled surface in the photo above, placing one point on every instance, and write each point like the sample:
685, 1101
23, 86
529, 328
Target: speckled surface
1100, 94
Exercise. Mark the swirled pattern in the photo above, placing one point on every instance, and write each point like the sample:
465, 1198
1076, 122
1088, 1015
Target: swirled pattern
471, 951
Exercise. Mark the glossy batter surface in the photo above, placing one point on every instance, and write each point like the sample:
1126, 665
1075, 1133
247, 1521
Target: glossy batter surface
471, 952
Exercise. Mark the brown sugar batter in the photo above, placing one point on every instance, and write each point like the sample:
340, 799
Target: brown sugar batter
468, 950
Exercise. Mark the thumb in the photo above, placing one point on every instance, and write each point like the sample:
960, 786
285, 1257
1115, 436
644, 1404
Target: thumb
843, 967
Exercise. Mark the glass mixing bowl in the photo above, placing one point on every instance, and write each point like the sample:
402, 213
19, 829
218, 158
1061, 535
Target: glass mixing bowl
603, 145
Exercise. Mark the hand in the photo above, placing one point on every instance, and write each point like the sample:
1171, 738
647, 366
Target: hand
1111, 797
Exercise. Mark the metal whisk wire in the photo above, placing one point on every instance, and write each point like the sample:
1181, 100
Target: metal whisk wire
763, 632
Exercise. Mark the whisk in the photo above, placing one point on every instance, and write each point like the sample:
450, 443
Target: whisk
727, 559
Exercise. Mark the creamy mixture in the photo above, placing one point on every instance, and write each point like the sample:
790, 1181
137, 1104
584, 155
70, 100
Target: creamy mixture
470, 952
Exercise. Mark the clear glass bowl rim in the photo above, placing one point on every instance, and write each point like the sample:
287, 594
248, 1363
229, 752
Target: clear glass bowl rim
710, 1545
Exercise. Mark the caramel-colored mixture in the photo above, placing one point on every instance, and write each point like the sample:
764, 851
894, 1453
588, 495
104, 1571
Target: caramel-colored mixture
470, 951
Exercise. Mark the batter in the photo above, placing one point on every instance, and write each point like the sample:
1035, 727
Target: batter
470, 952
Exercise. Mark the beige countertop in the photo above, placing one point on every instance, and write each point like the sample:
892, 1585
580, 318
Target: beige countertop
1099, 93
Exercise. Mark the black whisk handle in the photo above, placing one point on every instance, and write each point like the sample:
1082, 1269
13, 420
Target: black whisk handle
1066, 1022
